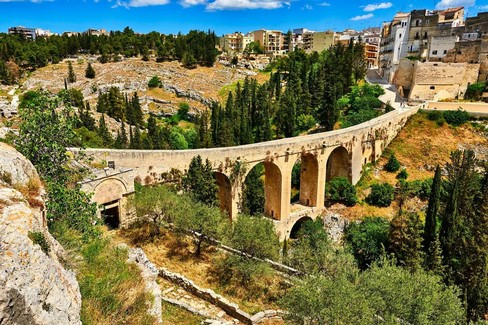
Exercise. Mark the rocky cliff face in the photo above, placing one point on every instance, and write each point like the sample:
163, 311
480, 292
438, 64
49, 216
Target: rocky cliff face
35, 288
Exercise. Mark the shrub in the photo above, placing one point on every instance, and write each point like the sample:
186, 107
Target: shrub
367, 239
440, 121
456, 118
434, 115
381, 195
154, 82
305, 122
39, 239
402, 174
475, 91
393, 164
183, 109
339, 189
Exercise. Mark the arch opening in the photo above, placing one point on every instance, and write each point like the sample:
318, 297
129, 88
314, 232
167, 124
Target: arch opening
296, 181
338, 164
225, 192
309, 173
295, 230
261, 191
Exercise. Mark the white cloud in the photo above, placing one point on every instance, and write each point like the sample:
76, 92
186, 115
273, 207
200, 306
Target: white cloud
191, 3
444, 4
139, 3
324, 4
376, 6
307, 7
483, 7
245, 4
363, 17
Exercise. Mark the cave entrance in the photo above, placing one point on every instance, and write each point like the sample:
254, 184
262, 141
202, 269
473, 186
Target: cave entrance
111, 215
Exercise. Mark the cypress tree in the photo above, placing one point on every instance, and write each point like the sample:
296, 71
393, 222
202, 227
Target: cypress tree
137, 139
71, 73
430, 228
89, 72
137, 114
103, 132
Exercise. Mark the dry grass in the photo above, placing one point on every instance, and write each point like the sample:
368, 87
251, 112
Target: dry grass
31, 192
176, 255
419, 147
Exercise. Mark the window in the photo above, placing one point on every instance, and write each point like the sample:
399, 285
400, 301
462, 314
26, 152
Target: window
400, 36
445, 51
432, 87
434, 52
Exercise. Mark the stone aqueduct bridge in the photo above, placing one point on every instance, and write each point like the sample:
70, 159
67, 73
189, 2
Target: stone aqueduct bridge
323, 156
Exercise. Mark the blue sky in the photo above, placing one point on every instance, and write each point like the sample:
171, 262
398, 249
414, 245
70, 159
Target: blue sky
222, 16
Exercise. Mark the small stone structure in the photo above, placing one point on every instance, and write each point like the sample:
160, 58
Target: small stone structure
230, 308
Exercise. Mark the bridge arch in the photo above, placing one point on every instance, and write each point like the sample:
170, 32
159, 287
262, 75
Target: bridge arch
272, 190
309, 173
298, 225
339, 164
224, 192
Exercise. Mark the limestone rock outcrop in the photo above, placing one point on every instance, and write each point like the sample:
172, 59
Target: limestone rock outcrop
35, 288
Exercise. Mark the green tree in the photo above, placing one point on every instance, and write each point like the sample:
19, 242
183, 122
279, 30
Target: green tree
311, 251
339, 189
71, 73
393, 164
44, 135
89, 72
253, 191
430, 228
189, 61
205, 221
367, 240
104, 133
381, 195
405, 241
200, 182
154, 82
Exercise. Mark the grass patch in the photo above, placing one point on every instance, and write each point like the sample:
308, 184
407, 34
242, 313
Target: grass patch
175, 315
224, 91
112, 289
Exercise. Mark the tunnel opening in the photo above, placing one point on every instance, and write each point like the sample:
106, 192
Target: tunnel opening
295, 230
111, 216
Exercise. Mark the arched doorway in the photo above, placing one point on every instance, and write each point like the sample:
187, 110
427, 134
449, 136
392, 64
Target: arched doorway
225, 191
108, 194
295, 230
338, 164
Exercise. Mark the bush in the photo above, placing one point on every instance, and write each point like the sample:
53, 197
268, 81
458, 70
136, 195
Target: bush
339, 189
381, 195
154, 82
402, 174
39, 239
434, 115
475, 91
367, 240
456, 118
393, 164
305, 122
183, 109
